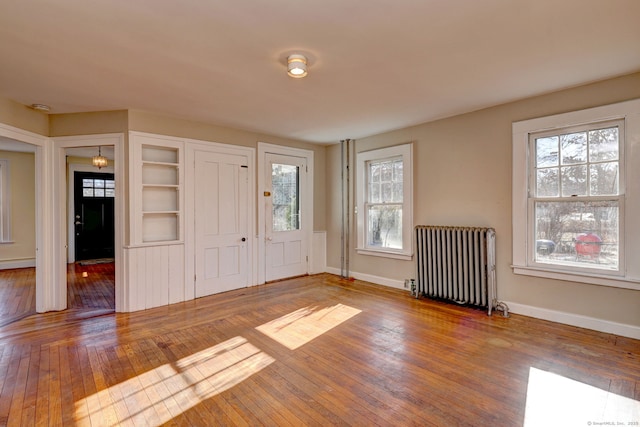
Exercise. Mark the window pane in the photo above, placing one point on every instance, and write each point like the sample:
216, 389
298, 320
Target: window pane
98, 183
385, 181
386, 172
109, 183
397, 170
397, 192
603, 179
88, 183
285, 197
384, 227
87, 192
574, 148
99, 192
547, 151
574, 181
603, 145
547, 184
374, 193
387, 192
110, 192
374, 172
577, 234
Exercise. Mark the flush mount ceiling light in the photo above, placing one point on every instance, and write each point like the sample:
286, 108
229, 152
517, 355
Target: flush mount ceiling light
41, 107
99, 161
297, 66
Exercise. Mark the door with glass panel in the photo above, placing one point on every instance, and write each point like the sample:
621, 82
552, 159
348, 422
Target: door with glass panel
285, 227
94, 215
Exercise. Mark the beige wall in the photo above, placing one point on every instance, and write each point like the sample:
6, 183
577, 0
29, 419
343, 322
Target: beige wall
462, 176
155, 123
94, 123
23, 117
23, 207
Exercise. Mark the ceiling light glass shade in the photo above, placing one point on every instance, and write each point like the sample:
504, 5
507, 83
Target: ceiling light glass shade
99, 161
297, 66
41, 107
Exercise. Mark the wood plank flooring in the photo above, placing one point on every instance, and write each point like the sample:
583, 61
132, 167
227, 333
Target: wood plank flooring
315, 350
90, 289
17, 294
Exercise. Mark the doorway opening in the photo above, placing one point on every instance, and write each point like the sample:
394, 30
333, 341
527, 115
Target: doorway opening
18, 195
91, 230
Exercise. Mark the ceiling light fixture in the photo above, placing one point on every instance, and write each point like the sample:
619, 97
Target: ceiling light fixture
297, 66
99, 161
41, 107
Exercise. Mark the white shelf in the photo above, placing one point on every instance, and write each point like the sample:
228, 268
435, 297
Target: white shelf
157, 190
157, 153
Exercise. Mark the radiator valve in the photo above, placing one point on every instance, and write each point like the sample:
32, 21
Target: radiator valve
504, 308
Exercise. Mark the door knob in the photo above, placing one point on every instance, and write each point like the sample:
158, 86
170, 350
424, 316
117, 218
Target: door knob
77, 223
244, 239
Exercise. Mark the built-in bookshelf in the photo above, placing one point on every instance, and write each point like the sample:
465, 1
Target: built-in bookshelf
158, 187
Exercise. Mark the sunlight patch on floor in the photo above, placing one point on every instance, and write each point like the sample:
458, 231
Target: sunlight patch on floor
156, 396
298, 328
553, 400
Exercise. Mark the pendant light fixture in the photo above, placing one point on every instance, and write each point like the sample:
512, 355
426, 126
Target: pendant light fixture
297, 66
99, 161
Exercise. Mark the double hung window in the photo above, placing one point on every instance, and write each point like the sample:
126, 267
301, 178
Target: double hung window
384, 195
576, 197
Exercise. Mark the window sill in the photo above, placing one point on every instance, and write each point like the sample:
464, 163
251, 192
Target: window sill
6, 242
385, 254
592, 279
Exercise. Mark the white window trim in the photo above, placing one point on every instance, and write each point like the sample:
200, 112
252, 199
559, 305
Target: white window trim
406, 152
5, 195
628, 111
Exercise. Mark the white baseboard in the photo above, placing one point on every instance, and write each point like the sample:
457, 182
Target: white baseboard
17, 263
392, 283
586, 322
580, 321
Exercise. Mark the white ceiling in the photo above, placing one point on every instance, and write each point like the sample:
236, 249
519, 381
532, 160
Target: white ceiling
375, 65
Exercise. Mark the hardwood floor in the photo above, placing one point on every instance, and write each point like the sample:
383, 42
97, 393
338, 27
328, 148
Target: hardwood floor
315, 350
89, 288
17, 294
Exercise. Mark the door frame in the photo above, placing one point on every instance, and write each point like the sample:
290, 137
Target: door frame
191, 148
47, 297
72, 169
306, 203
61, 207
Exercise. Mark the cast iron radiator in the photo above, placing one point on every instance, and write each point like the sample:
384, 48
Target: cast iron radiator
457, 264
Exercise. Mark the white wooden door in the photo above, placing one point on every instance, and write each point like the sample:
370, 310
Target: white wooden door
221, 222
285, 220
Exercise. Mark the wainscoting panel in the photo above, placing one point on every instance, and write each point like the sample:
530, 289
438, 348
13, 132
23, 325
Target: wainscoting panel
155, 276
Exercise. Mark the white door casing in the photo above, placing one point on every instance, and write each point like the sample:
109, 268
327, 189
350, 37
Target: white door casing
286, 226
221, 222
61, 206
